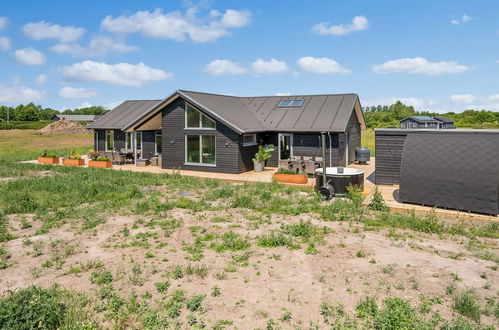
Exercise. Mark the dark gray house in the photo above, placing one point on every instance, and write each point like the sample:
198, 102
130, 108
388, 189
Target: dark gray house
438, 122
221, 133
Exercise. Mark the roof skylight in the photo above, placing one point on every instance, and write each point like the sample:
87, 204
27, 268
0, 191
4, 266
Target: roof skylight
291, 103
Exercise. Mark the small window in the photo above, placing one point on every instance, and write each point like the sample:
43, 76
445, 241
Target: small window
291, 103
109, 140
195, 119
249, 140
158, 142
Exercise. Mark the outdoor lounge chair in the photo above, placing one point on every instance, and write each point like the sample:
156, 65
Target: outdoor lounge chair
118, 159
310, 167
285, 164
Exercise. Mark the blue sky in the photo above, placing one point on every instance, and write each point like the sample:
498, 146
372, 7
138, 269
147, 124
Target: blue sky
436, 55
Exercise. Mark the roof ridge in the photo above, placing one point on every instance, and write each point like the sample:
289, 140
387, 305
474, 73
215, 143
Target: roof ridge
261, 96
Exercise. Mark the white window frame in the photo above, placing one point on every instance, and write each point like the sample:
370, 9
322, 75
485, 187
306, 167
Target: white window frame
156, 133
200, 120
128, 140
112, 134
252, 143
200, 150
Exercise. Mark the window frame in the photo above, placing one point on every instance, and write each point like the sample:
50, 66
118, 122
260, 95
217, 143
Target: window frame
111, 133
200, 150
290, 104
251, 143
128, 140
156, 133
201, 115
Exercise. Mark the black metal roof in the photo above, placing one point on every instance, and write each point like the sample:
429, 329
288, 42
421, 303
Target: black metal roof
327, 112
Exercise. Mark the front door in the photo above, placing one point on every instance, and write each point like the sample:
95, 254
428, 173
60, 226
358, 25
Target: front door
285, 146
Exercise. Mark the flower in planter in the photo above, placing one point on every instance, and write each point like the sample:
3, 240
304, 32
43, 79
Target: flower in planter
47, 154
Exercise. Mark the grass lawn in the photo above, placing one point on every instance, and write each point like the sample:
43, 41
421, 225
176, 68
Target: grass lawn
130, 250
367, 139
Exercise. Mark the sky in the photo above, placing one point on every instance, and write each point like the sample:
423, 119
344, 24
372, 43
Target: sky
435, 55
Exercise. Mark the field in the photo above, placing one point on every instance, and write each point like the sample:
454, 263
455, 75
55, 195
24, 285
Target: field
367, 139
89, 248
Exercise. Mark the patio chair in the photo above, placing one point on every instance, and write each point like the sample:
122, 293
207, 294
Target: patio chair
285, 164
311, 166
118, 159
299, 165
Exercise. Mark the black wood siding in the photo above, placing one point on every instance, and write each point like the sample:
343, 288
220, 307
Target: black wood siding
389, 148
227, 143
354, 137
119, 140
148, 144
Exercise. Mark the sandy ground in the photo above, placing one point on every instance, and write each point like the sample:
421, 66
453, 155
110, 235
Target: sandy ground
396, 262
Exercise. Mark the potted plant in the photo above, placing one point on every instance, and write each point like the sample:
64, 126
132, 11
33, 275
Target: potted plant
74, 159
264, 153
290, 176
92, 154
48, 158
100, 162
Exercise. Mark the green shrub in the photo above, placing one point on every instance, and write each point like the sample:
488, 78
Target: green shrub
396, 314
231, 241
33, 308
366, 307
377, 202
194, 303
355, 194
102, 276
466, 303
161, 287
276, 239
47, 154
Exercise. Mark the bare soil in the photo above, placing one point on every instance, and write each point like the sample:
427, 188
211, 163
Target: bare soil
351, 264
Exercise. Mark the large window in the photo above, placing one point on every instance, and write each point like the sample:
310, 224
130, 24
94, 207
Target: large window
200, 149
195, 119
157, 137
109, 140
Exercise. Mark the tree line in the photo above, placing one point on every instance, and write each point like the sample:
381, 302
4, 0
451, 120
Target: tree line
33, 112
390, 115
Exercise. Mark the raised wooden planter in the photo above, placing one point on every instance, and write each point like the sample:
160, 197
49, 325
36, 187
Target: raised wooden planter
48, 160
291, 178
100, 163
73, 162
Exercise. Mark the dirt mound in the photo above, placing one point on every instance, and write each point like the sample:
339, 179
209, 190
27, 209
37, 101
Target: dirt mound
63, 126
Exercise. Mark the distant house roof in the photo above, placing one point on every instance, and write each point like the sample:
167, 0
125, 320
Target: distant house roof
444, 119
123, 114
75, 117
328, 112
421, 119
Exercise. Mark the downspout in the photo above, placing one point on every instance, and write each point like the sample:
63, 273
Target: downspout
324, 176
330, 151
135, 147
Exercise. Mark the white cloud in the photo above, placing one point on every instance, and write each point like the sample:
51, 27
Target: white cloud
112, 105
44, 30
269, 67
4, 43
483, 106
124, 74
29, 56
177, 26
16, 93
3, 22
98, 47
85, 104
359, 23
322, 65
464, 19
419, 65
494, 97
223, 67
69, 92
282, 94
463, 98
41, 79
